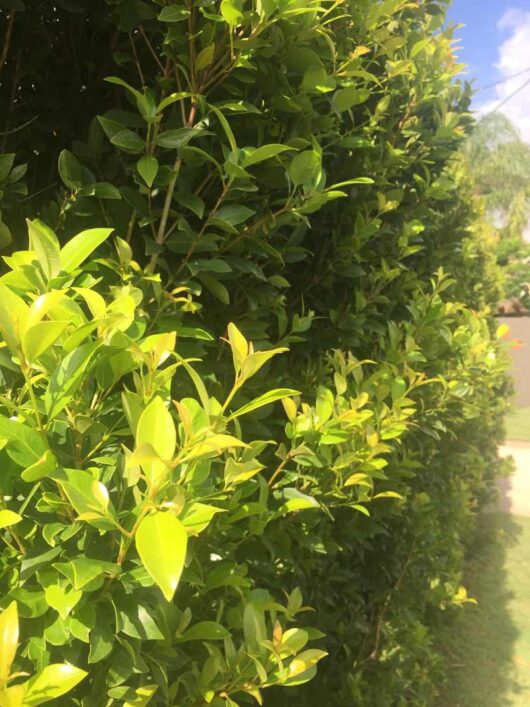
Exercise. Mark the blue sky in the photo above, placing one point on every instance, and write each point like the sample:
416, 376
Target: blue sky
495, 45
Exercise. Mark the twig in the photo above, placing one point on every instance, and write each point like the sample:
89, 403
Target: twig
373, 655
136, 59
155, 55
19, 127
7, 38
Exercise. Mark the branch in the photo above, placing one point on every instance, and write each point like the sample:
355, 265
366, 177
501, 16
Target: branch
7, 39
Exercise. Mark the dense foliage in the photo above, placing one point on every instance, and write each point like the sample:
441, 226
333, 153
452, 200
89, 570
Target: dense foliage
251, 388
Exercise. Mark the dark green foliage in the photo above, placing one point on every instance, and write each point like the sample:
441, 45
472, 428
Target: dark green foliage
290, 167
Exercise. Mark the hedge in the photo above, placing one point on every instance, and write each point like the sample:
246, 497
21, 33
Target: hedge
251, 385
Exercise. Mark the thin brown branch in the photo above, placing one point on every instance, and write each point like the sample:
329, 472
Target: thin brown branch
150, 46
7, 38
136, 59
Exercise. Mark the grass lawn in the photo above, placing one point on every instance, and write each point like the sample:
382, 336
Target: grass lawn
518, 426
489, 644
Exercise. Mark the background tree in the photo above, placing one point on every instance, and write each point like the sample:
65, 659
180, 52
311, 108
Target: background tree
499, 161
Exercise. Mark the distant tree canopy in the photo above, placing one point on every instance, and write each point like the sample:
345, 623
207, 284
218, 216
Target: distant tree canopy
499, 160
247, 359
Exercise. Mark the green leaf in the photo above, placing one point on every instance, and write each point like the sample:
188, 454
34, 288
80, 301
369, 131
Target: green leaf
55, 680
297, 501
128, 141
225, 125
173, 13
70, 170
205, 631
239, 472
300, 668
5, 235
205, 57
305, 168
418, 47
147, 167
257, 360
102, 635
178, 137
389, 494
61, 599
217, 289
8, 639
89, 497
239, 346
6, 164
172, 98
67, 377
346, 98
234, 214
259, 154
316, 202
8, 518
120, 82
82, 570
265, 399
13, 312
215, 444
231, 13
161, 542
157, 429
398, 388
25, 445
78, 248
197, 516
45, 244
40, 337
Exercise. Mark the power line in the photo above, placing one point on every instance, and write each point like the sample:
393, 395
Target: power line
509, 97
507, 78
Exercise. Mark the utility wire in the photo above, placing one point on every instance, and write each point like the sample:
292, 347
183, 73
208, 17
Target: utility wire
507, 78
509, 97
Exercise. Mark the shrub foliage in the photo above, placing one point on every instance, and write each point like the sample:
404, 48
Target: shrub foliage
251, 389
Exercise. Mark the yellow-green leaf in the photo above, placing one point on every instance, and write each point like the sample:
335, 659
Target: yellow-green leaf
256, 360
78, 248
265, 399
8, 639
8, 518
205, 57
156, 428
40, 337
42, 467
389, 494
239, 346
161, 541
53, 681
213, 445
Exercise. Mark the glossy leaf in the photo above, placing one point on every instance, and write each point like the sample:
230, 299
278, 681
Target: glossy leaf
52, 682
40, 337
173, 13
161, 542
80, 247
45, 244
265, 399
147, 167
8, 639
8, 518
205, 631
265, 152
157, 429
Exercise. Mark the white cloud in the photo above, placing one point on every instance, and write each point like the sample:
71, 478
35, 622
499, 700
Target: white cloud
514, 57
